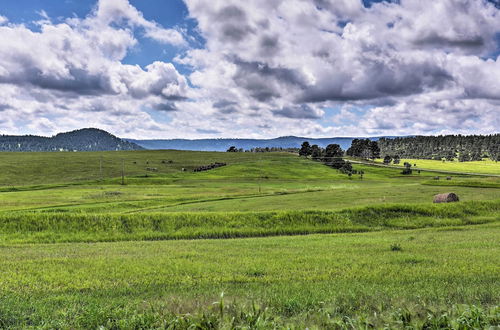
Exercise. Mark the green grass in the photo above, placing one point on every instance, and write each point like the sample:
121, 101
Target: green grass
21, 169
320, 249
250, 183
464, 183
53, 227
485, 166
316, 281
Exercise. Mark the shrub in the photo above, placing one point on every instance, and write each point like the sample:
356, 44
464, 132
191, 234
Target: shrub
396, 247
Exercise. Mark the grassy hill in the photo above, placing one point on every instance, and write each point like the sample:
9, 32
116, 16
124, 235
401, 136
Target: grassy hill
87, 139
386, 256
71, 182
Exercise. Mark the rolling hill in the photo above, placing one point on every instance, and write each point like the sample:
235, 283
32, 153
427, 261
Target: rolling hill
87, 139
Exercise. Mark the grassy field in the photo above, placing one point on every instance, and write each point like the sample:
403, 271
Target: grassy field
69, 182
309, 246
392, 278
485, 166
22, 228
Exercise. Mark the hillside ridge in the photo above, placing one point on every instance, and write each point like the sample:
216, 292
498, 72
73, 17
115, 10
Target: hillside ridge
86, 139
222, 144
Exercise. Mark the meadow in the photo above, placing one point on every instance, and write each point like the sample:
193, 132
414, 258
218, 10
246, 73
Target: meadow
485, 166
271, 240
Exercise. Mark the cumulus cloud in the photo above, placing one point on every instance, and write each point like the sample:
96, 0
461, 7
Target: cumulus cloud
443, 117
290, 59
299, 111
73, 69
117, 11
81, 57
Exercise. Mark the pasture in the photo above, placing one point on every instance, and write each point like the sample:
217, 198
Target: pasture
288, 241
485, 166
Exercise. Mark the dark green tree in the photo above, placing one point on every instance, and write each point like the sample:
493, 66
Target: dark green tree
450, 156
475, 156
346, 168
316, 152
333, 151
374, 150
305, 149
336, 163
359, 148
464, 157
407, 170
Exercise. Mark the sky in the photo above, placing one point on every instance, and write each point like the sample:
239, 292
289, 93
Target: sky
250, 69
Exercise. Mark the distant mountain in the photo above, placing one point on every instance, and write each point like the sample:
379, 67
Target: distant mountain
87, 139
247, 144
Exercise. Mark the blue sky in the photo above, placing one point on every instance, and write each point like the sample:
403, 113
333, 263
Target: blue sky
168, 13
224, 68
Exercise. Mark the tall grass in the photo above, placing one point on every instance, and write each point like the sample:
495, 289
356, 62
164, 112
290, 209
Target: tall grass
220, 315
438, 278
49, 227
468, 183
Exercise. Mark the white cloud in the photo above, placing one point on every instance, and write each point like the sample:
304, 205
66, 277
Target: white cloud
3, 19
71, 74
288, 59
116, 11
268, 68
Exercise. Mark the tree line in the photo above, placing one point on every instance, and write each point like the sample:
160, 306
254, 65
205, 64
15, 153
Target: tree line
444, 147
263, 149
462, 148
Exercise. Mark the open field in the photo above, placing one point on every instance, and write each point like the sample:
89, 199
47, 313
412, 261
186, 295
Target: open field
485, 166
349, 280
21, 228
69, 182
80, 250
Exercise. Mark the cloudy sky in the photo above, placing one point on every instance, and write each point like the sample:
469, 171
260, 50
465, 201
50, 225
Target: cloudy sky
256, 68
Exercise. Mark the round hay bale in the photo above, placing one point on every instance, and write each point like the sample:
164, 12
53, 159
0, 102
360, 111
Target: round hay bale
446, 198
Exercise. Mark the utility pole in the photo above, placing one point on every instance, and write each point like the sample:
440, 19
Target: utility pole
100, 169
260, 176
123, 172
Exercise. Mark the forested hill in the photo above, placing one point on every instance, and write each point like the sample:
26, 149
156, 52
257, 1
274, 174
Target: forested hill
88, 139
466, 148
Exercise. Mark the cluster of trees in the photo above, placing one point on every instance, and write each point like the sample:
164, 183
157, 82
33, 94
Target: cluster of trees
331, 156
394, 159
407, 170
209, 167
364, 148
234, 149
448, 147
88, 139
273, 149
